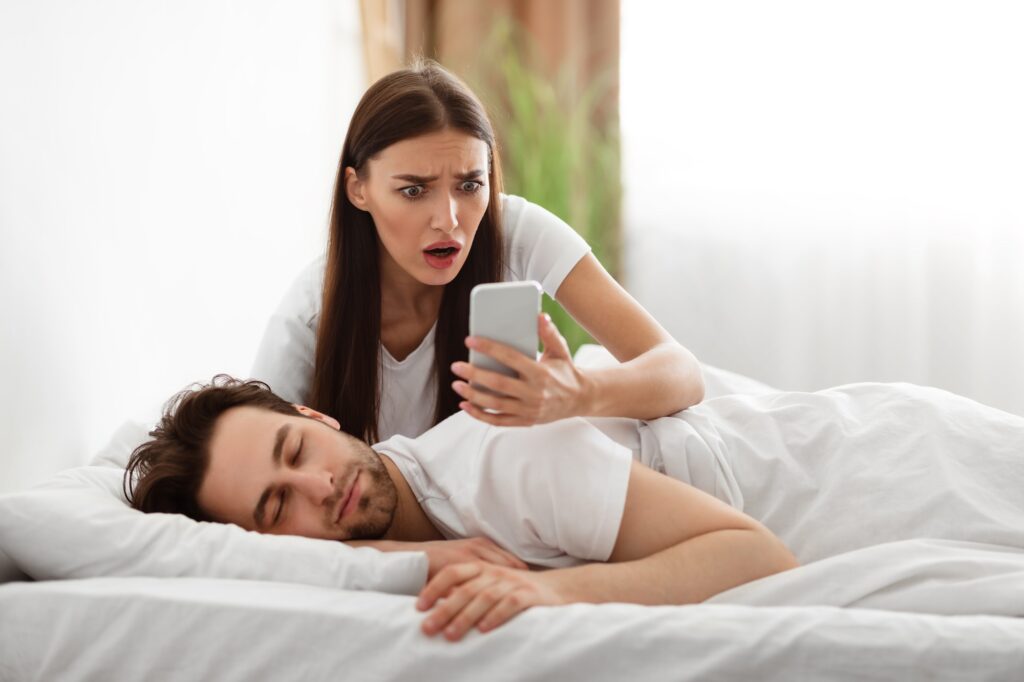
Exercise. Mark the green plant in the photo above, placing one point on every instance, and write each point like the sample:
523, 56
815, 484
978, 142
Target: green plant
556, 152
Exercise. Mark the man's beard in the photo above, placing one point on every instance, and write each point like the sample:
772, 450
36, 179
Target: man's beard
378, 507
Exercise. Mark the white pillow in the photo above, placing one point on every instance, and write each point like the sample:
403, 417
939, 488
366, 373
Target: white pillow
79, 525
131, 434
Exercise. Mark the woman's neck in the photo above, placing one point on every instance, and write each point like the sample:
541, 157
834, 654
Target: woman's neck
404, 297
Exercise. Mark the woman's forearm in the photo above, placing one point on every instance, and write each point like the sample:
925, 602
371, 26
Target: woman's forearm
663, 380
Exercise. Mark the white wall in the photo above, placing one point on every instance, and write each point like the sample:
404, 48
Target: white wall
165, 171
824, 192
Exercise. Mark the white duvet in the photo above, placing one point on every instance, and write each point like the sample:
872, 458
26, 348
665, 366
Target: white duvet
894, 496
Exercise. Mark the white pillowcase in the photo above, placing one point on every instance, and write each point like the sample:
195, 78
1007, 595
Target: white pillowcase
79, 525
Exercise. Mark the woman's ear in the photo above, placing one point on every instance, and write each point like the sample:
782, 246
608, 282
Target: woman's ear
319, 416
355, 189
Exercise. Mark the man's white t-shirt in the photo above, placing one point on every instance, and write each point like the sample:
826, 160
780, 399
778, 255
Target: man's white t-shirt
551, 494
554, 494
538, 246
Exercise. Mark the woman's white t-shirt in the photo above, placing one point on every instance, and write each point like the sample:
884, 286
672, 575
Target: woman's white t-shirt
538, 246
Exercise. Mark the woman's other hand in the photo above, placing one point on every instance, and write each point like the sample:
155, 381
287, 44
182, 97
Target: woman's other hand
546, 390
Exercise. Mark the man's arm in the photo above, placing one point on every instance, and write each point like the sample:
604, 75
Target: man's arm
675, 545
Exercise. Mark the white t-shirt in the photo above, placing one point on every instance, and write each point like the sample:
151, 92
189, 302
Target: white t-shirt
551, 494
538, 246
554, 494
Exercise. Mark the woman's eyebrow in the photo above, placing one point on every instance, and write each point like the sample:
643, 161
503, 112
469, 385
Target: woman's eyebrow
261, 507
423, 179
418, 179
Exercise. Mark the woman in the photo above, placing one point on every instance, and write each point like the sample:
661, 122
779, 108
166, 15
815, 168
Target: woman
376, 336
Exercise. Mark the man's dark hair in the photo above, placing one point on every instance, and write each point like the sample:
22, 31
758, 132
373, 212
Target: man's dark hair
164, 474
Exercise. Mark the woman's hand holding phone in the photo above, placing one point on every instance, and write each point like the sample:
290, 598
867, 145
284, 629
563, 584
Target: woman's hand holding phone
546, 390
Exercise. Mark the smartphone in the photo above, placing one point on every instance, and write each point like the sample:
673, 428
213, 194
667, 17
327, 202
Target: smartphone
505, 312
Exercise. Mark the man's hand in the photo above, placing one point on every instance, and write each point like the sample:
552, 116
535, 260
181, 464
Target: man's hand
482, 595
441, 553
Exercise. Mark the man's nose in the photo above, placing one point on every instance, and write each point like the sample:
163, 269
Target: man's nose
445, 218
317, 486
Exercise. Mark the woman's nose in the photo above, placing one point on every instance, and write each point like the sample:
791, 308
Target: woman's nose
445, 218
317, 486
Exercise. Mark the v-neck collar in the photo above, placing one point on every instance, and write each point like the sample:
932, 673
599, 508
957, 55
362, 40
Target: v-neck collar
427, 340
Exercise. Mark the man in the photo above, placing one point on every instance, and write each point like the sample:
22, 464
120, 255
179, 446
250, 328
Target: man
562, 496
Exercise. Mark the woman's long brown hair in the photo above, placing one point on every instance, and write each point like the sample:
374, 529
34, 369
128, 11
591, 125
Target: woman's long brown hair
346, 376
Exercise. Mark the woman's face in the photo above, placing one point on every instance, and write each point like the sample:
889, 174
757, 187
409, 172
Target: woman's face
427, 196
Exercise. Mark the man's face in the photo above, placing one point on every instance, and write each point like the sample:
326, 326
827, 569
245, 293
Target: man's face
292, 475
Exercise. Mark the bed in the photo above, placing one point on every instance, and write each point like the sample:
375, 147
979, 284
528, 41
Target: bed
117, 595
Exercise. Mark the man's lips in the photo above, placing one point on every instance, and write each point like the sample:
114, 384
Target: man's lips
346, 498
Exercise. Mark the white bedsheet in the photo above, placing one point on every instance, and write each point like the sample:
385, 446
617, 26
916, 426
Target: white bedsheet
199, 629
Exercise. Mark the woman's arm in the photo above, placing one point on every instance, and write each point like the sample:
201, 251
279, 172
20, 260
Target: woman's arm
656, 377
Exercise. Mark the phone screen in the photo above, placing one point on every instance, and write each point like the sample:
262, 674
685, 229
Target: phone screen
505, 312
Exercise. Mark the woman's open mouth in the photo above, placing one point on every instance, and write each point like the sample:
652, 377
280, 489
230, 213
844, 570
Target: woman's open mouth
442, 254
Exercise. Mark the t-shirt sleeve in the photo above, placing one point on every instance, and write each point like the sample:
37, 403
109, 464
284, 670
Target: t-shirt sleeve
541, 246
564, 482
286, 353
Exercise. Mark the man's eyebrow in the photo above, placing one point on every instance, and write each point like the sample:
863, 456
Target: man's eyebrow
282, 433
261, 506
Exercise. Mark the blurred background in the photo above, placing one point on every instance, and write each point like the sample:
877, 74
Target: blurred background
806, 193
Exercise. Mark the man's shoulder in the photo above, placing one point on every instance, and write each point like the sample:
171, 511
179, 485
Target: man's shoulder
556, 449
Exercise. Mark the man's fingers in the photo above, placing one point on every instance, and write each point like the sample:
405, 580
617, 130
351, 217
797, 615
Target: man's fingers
512, 561
498, 556
510, 605
449, 609
444, 581
482, 602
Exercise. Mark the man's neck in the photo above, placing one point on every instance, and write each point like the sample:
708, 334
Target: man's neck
410, 523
